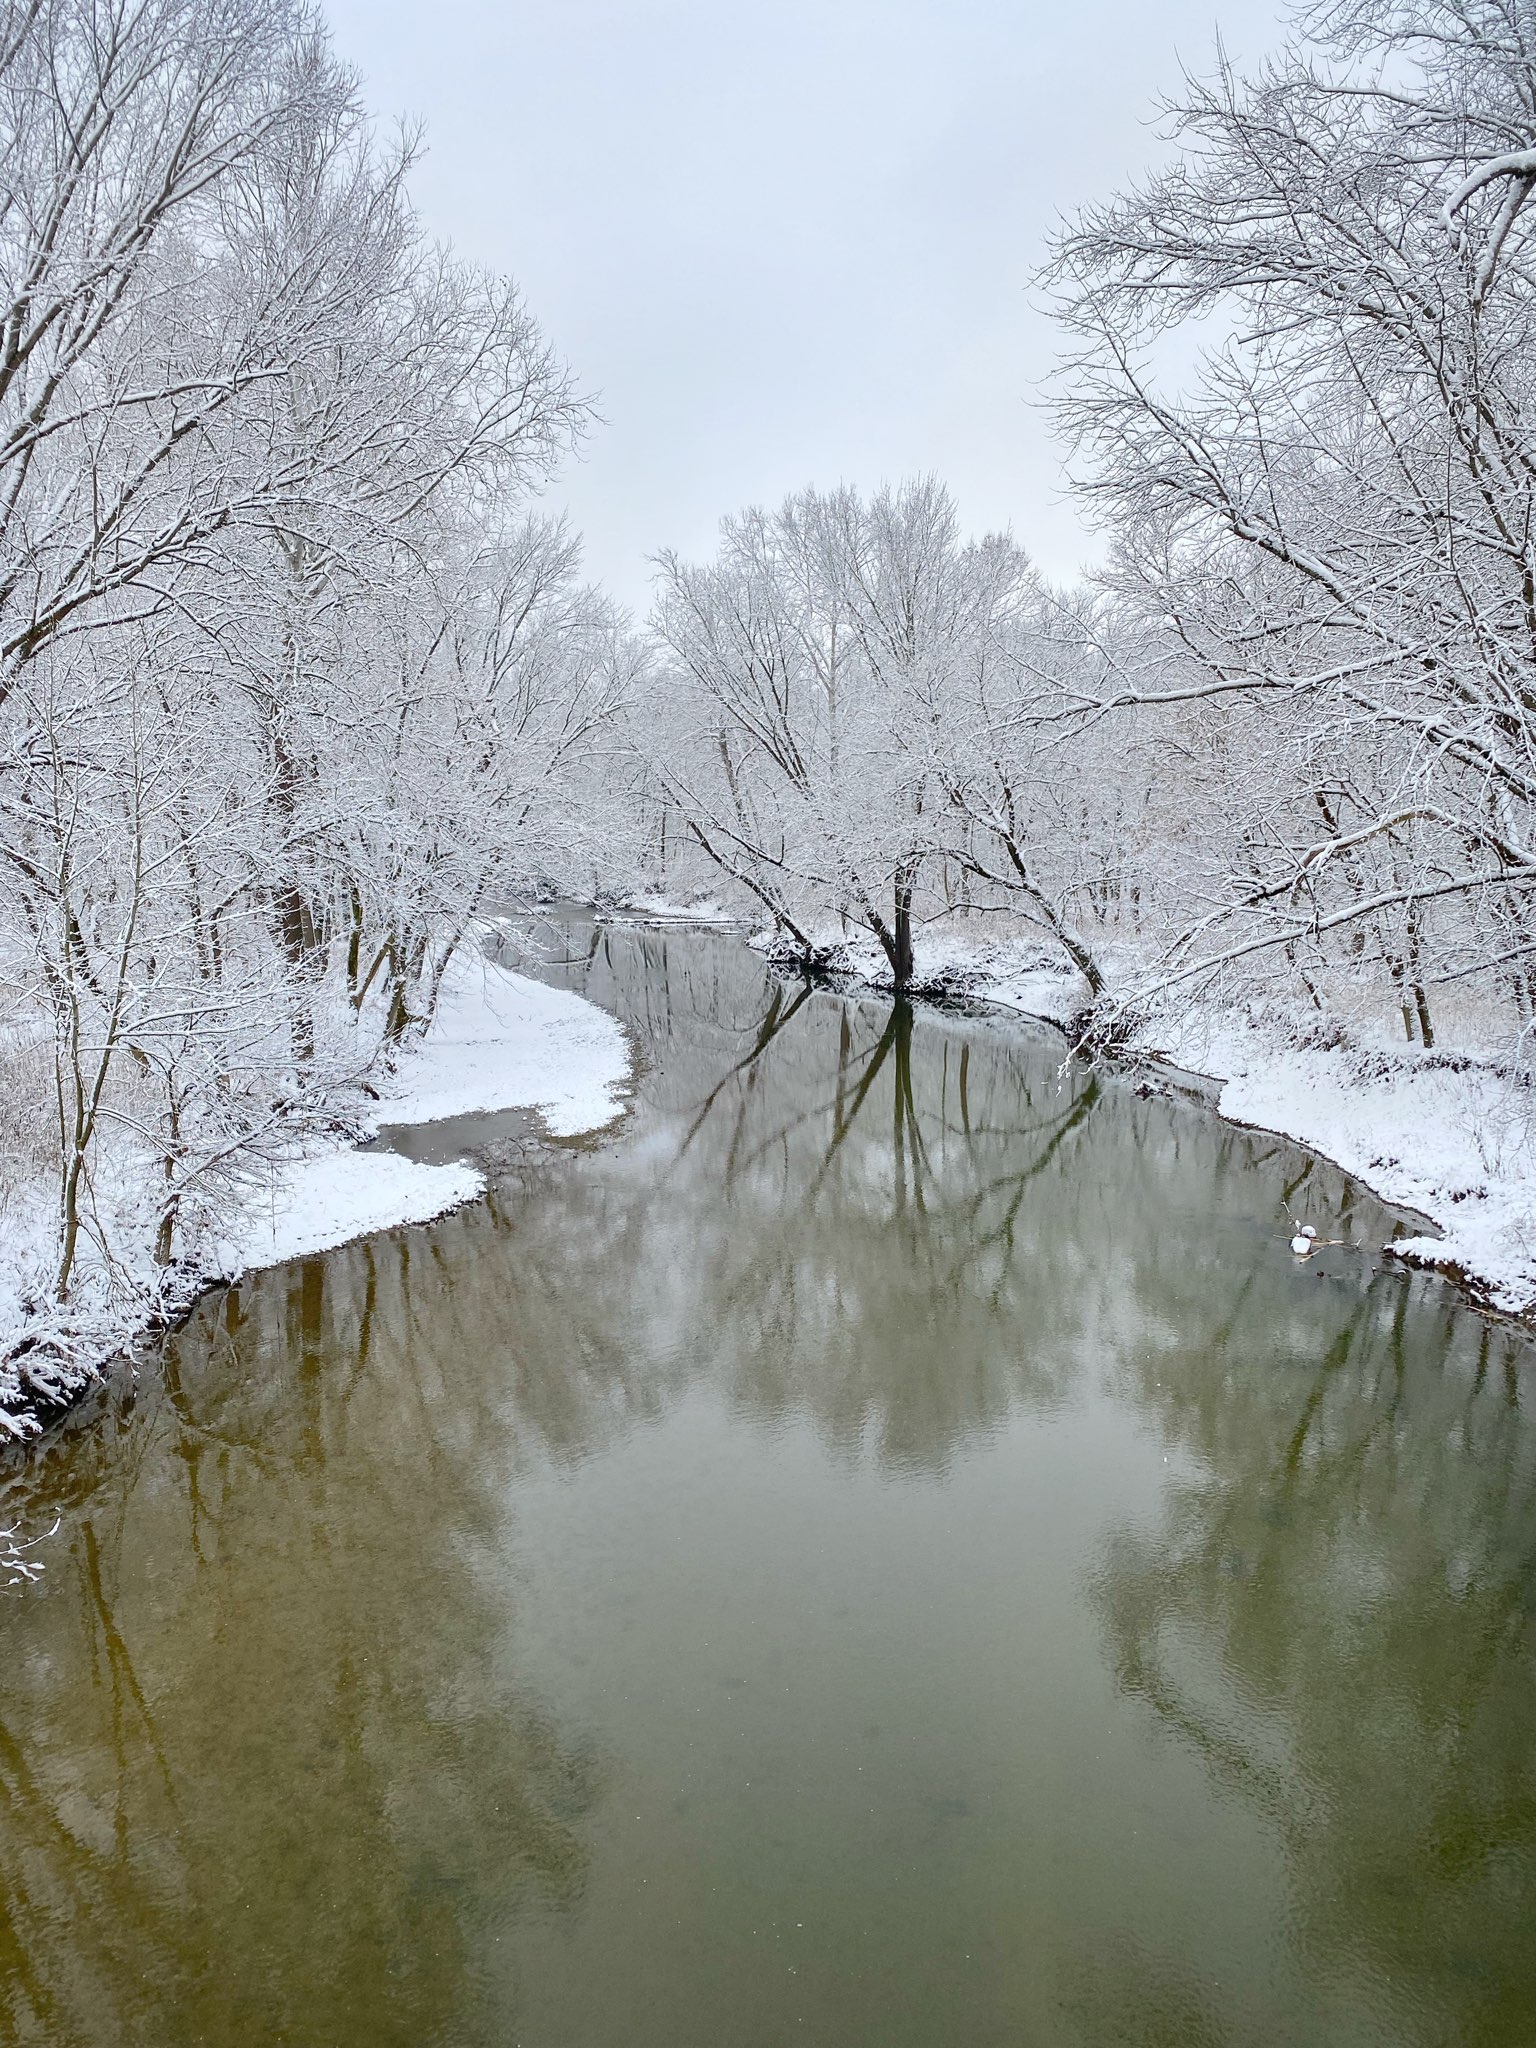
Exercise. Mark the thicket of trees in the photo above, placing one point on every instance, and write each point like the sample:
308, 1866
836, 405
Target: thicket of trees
1335, 518
1290, 733
291, 678
294, 679
860, 694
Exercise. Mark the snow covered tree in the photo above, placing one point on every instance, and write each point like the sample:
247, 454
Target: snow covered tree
290, 683
1331, 513
868, 707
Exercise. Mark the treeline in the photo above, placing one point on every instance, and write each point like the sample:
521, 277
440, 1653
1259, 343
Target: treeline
872, 725
1285, 742
292, 680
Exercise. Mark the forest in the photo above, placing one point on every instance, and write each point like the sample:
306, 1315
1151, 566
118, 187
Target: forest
299, 685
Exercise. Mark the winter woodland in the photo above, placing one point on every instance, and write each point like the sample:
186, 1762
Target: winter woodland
297, 684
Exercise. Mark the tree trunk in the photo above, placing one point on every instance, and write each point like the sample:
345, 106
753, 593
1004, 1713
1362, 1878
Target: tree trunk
355, 948
901, 950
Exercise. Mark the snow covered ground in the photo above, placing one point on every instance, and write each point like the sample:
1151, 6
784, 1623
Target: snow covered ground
1442, 1132
500, 1041
325, 1200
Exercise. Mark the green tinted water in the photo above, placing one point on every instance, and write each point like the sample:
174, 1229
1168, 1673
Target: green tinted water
887, 1550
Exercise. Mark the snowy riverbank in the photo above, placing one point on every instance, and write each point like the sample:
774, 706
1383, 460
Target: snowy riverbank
1446, 1132
499, 1041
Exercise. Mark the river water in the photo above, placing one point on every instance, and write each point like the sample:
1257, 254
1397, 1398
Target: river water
885, 1549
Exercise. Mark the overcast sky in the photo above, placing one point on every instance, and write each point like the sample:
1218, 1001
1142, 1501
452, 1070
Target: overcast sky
785, 241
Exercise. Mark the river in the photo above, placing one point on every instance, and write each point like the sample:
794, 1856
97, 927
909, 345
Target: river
884, 1549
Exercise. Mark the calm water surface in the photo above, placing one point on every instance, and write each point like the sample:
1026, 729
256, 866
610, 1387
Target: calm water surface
885, 1550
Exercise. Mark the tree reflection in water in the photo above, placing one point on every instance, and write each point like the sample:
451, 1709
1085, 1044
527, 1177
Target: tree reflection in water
264, 1774
1338, 1616
271, 1766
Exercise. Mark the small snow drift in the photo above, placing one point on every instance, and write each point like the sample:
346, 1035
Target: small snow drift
499, 1041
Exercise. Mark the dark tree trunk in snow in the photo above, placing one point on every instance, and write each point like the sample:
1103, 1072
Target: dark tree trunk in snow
901, 950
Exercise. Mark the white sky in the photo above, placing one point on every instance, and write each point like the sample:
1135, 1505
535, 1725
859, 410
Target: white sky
785, 241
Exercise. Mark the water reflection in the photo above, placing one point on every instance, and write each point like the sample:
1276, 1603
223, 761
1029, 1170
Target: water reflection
880, 1203
1212, 1576
263, 1776
1337, 1615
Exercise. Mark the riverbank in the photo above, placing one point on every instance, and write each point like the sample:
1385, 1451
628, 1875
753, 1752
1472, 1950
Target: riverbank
1446, 1132
499, 1042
